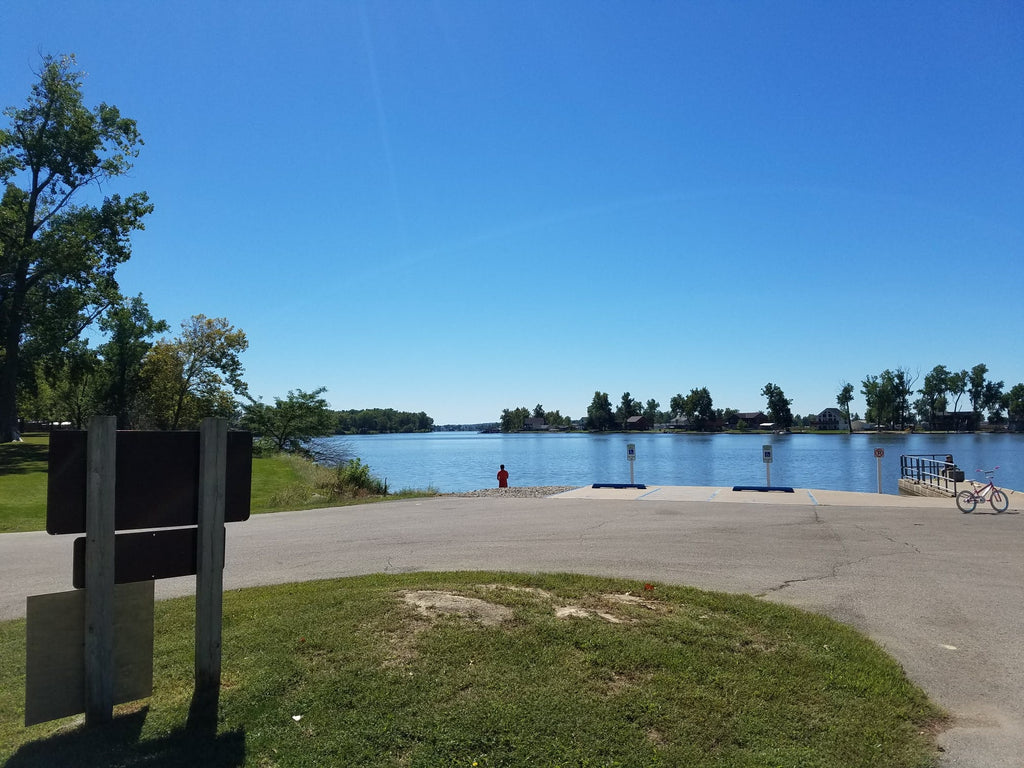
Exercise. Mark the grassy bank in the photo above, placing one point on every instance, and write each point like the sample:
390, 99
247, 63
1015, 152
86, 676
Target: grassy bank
348, 672
279, 482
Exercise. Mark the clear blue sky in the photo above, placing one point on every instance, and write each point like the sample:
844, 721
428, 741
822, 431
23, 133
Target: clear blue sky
462, 206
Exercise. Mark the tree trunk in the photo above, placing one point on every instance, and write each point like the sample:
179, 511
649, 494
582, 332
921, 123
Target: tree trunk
9, 431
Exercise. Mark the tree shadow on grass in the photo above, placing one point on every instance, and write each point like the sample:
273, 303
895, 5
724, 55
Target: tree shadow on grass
22, 458
117, 744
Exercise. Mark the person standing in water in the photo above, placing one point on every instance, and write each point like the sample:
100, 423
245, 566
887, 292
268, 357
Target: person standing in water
502, 477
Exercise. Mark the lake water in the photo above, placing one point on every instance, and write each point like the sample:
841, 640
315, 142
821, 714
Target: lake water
464, 461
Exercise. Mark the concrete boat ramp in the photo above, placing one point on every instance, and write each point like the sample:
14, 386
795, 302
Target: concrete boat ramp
799, 496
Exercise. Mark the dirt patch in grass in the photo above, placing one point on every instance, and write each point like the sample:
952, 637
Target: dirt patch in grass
432, 603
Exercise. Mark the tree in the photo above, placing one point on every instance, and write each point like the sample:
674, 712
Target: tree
292, 421
843, 400
901, 383
651, 412
513, 421
129, 324
555, 419
984, 394
58, 257
627, 407
64, 389
933, 393
599, 413
195, 375
698, 408
778, 405
956, 384
1013, 402
538, 411
677, 405
993, 401
976, 387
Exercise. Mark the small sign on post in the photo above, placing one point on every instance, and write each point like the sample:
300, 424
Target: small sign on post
631, 458
766, 454
879, 453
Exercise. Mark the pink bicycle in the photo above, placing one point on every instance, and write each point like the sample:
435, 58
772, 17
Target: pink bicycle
968, 500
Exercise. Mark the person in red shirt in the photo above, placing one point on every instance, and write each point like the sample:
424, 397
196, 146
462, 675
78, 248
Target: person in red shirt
503, 477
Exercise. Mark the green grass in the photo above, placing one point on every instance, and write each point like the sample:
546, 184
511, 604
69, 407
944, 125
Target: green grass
23, 484
279, 482
689, 679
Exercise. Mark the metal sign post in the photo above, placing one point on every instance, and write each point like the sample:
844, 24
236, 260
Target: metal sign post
766, 455
879, 453
631, 458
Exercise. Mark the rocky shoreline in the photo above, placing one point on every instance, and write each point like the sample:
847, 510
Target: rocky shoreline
534, 492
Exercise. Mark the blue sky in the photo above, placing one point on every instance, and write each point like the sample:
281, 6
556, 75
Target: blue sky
462, 206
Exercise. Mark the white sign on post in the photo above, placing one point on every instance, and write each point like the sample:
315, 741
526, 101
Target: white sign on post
631, 457
766, 454
766, 451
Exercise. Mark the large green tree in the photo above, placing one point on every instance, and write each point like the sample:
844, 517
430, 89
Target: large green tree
778, 405
58, 251
195, 375
600, 416
698, 408
627, 407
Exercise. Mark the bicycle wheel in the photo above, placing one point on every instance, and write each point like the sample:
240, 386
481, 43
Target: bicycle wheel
999, 501
966, 501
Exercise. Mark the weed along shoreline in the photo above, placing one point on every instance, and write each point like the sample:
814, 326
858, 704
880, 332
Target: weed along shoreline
937, 589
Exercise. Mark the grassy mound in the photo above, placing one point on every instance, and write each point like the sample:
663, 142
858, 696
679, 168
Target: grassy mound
486, 669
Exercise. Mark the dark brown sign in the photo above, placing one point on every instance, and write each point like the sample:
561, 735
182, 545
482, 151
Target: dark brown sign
144, 556
157, 480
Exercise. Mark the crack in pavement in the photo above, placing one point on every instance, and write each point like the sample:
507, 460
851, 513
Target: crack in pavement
888, 538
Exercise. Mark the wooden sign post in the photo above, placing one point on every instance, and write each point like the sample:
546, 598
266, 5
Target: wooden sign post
99, 568
213, 451
104, 481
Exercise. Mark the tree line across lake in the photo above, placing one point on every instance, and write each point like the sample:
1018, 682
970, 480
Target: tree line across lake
889, 397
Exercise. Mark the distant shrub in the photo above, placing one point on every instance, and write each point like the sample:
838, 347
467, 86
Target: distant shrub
352, 479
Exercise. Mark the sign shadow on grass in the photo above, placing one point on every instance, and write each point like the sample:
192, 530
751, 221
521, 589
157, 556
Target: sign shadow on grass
117, 743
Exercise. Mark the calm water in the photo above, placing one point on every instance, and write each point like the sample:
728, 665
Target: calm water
463, 461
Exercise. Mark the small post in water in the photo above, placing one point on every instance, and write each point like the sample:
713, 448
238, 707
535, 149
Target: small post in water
766, 453
631, 458
879, 453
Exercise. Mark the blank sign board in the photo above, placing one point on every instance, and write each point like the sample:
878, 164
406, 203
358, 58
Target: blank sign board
157, 480
55, 657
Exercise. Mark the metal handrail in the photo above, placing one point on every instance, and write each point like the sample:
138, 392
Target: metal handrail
931, 469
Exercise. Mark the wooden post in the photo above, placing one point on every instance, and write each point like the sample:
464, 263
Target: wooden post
99, 570
213, 450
